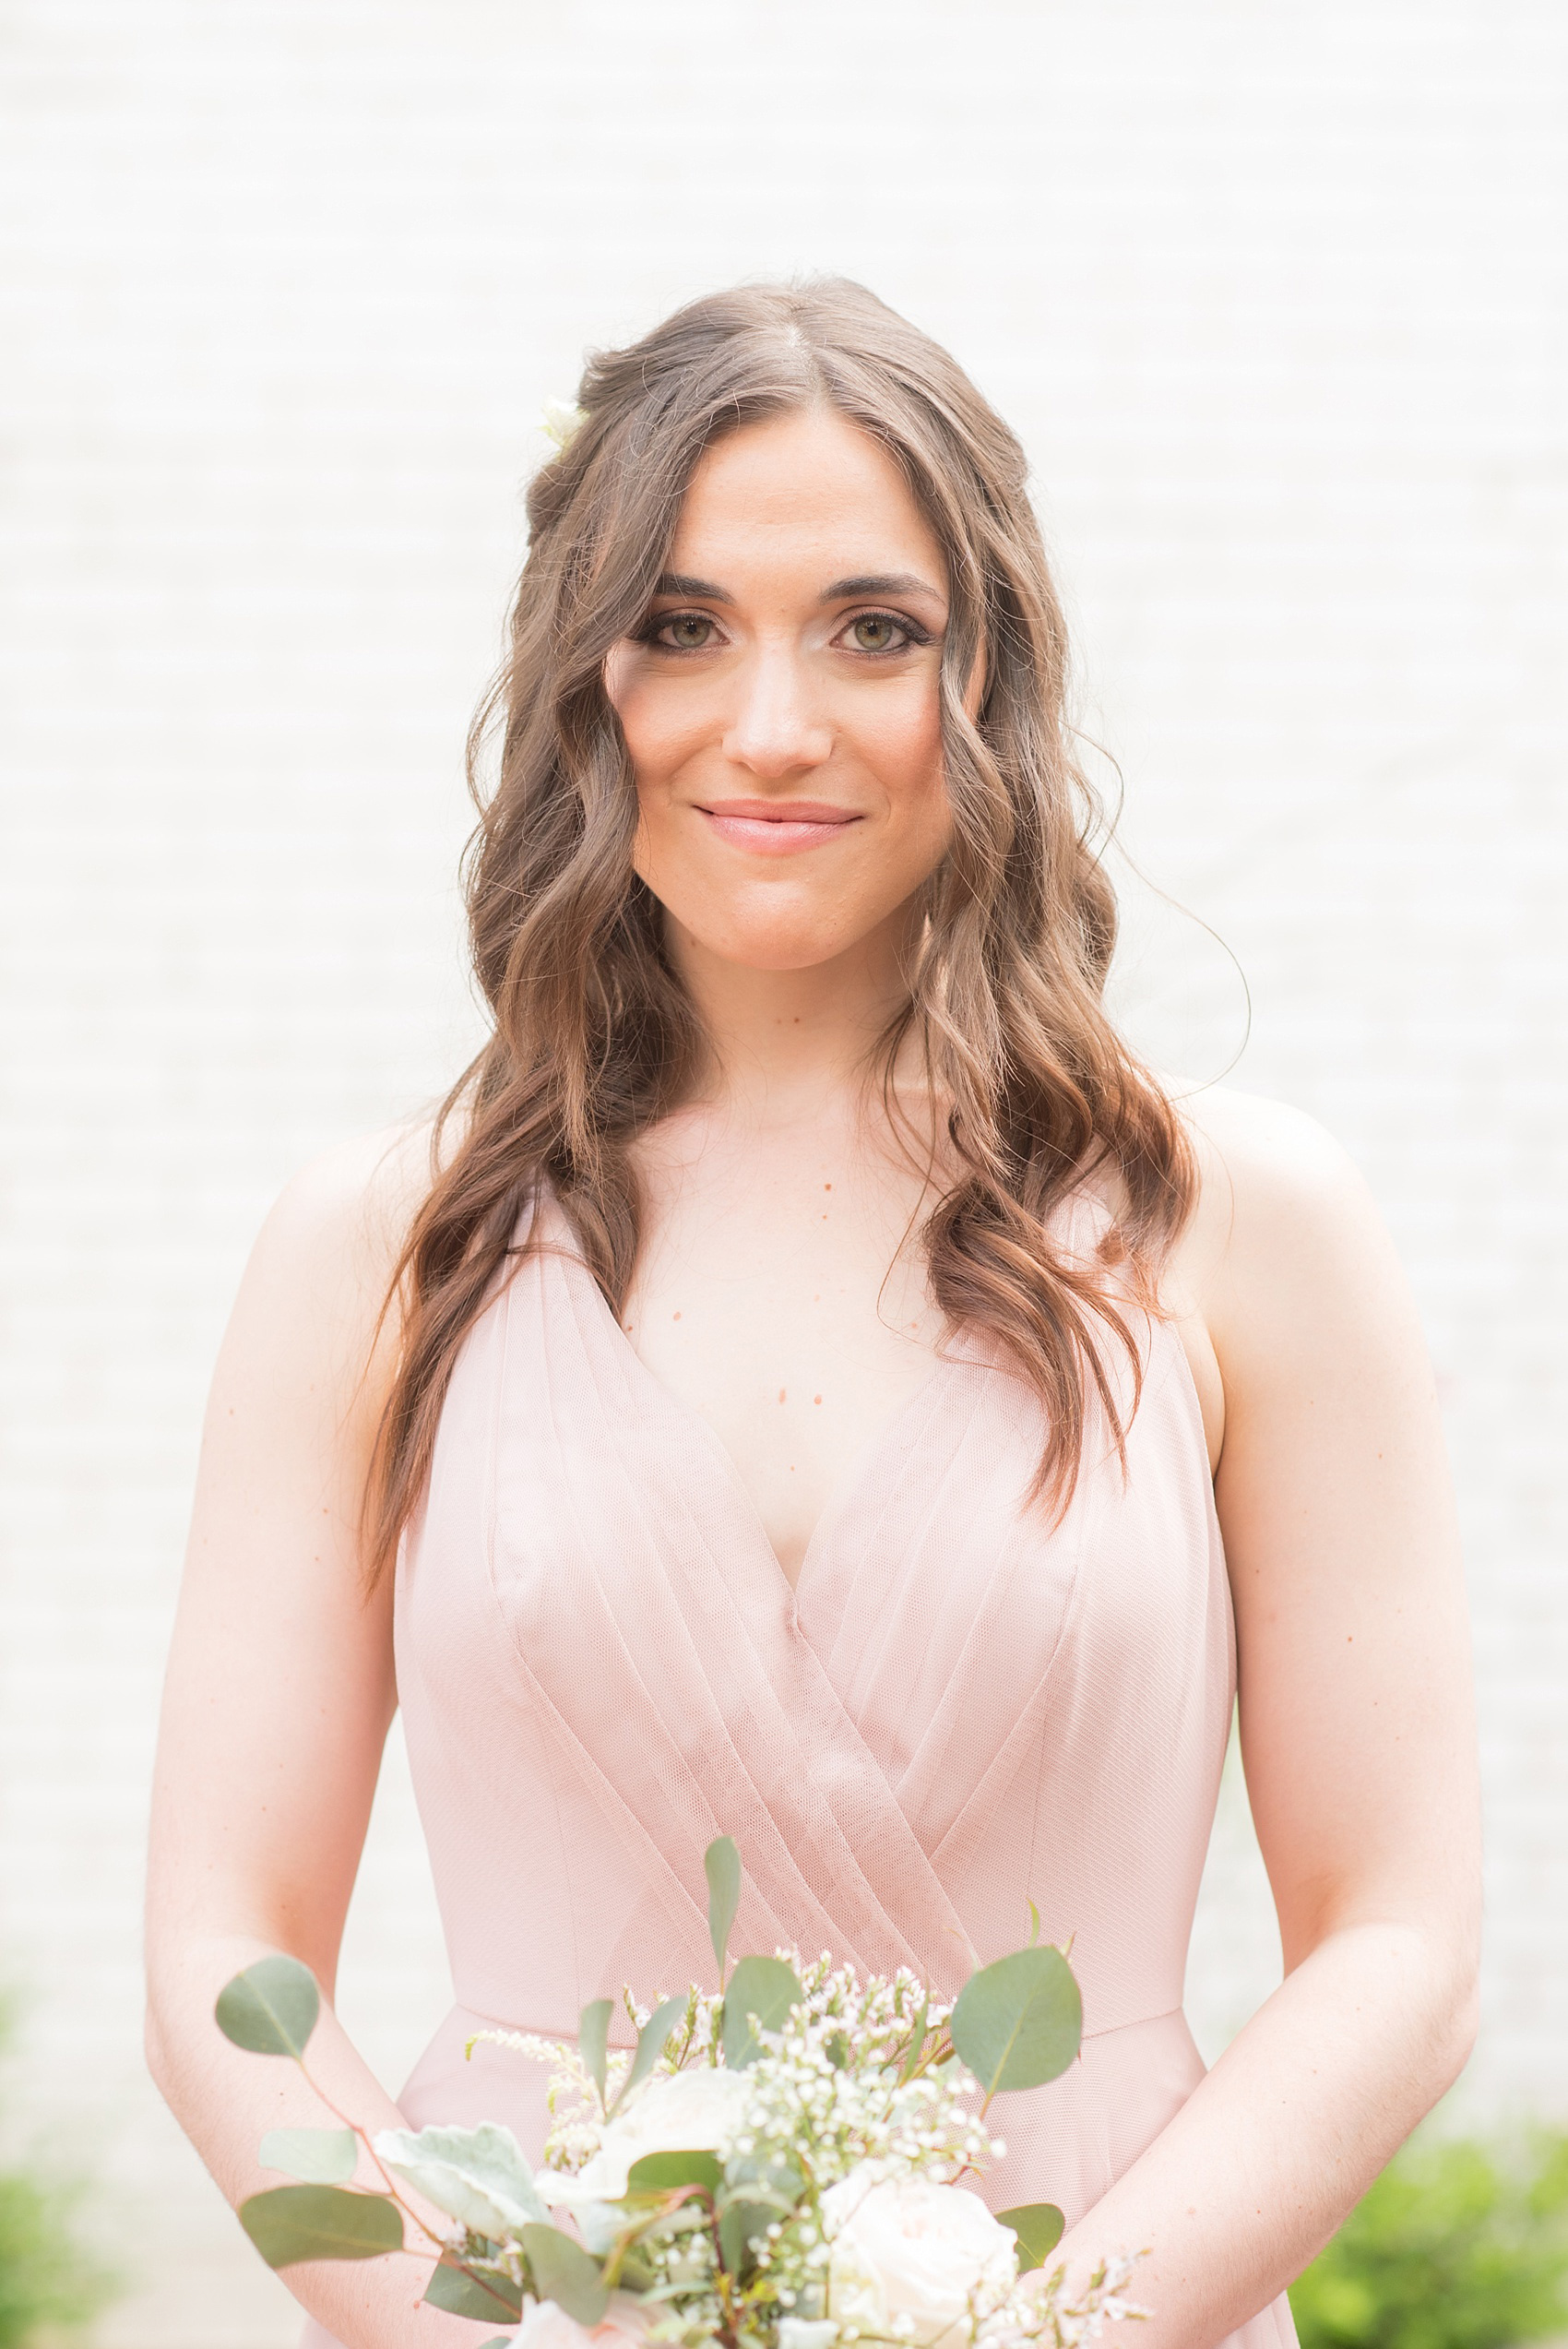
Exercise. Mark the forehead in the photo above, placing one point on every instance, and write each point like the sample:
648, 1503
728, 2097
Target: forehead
811, 491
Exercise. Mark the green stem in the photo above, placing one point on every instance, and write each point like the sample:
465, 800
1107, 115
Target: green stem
355, 2129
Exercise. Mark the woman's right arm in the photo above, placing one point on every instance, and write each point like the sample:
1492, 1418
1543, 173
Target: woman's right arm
280, 1693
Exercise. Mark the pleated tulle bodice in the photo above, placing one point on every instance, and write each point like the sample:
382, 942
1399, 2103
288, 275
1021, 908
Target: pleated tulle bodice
959, 1707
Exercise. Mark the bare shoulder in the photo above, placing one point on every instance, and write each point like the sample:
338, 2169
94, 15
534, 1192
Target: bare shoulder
1285, 1234
1260, 1159
313, 1304
356, 1202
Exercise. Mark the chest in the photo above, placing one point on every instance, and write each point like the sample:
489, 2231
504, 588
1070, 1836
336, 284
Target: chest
781, 1296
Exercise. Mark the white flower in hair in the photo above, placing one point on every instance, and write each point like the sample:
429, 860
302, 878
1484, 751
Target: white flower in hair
559, 421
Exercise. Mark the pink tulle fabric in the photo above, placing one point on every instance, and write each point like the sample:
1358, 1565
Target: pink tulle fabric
961, 1707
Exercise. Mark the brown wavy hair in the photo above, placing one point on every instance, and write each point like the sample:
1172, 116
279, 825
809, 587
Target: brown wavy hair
594, 1038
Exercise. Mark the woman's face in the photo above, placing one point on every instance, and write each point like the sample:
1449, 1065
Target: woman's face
780, 703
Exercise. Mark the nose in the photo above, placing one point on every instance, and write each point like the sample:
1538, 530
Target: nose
774, 729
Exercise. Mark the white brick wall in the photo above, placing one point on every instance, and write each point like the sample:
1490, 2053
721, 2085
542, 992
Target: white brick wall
1274, 297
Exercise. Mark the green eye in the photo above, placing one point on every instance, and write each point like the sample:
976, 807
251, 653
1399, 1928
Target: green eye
876, 632
687, 631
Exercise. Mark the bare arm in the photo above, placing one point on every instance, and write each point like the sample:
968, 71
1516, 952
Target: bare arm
277, 1706
1356, 1733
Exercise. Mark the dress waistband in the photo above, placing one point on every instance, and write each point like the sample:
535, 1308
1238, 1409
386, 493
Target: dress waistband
567, 2035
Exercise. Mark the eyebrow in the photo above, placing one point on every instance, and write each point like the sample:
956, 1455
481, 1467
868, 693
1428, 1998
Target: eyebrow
681, 583
864, 583
880, 583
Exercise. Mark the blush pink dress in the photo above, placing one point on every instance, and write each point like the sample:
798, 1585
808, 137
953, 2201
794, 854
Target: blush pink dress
960, 1707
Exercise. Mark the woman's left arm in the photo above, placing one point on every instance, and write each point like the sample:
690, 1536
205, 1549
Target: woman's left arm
1357, 1734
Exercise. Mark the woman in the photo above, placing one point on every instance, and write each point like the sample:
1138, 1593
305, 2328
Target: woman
819, 1368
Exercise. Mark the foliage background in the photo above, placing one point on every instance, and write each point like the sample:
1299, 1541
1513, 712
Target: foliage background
49, 2278
1274, 297
1459, 2245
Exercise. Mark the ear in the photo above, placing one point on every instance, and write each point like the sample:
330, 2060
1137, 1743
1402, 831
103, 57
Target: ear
974, 690
975, 683
613, 673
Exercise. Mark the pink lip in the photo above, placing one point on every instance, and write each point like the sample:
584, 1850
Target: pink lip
777, 827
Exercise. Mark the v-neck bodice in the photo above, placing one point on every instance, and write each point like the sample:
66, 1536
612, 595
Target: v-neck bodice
704, 1436
960, 1707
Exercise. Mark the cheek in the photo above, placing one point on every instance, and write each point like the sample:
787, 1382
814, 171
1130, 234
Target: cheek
662, 849
896, 730
656, 727
660, 731
901, 742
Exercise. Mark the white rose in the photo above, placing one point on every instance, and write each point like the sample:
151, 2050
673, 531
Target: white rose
686, 2112
807, 2333
547, 2326
908, 2247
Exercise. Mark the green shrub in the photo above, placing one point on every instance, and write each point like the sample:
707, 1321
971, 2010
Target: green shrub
1458, 2246
47, 2280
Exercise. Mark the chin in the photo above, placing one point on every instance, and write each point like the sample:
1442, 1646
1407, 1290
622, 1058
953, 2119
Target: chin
775, 946
775, 928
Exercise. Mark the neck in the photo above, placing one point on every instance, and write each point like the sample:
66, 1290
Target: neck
786, 1044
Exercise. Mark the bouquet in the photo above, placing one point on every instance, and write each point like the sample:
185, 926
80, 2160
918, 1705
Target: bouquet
775, 2167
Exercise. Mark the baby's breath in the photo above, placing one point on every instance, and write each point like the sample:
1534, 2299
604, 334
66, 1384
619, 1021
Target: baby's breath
860, 2080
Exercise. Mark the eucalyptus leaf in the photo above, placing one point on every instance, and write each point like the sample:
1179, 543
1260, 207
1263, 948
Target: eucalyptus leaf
1038, 2226
564, 2272
319, 2156
1017, 2023
663, 2173
271, 2008
294, 2223
652, 2039
476, 2176
486, 2298
761, 1993
722, 1863
766, 2176
740, 2226
593, 2043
